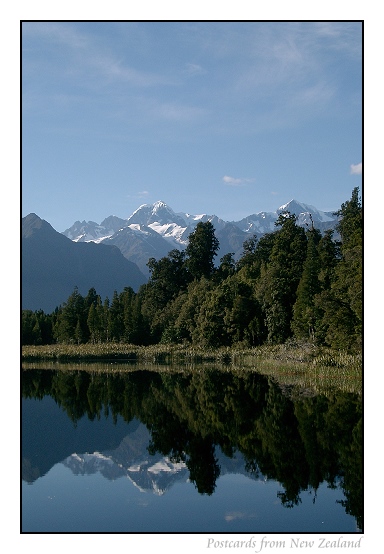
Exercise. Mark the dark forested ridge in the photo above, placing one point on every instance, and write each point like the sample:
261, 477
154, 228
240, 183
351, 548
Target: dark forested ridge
294, 282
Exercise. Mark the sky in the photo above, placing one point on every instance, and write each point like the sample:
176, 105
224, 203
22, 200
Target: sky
225, 118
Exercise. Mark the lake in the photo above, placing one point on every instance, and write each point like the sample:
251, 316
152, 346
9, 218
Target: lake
172, 451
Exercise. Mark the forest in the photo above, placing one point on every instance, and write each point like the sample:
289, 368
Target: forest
293, 283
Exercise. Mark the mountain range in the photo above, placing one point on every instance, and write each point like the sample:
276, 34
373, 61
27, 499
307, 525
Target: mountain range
155, 473
114, 254
112, 449
155, 229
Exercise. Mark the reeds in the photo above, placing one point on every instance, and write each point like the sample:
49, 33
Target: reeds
303, 365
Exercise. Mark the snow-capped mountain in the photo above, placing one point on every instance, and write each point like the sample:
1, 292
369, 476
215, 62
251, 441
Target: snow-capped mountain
174, 227
149, 473
156, 214
138, 243
303, 212
87, 231
154, 229
264, 222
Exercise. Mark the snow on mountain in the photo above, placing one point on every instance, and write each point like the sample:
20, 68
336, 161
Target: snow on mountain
149, 475
158, 213
260, 223
155, 473
138, 243
264, 222
174, 227
89, 231
302, 211
154, 229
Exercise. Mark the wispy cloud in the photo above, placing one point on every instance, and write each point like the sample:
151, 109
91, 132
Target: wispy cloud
356, 169
56, 33
86, 58
194, 69
140, 194
236, 181
114, 69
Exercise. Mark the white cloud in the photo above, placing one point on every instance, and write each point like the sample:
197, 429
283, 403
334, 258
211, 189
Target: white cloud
236, 182
356, 169
140, 194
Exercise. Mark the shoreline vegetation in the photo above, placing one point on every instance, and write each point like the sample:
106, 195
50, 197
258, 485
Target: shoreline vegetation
302, 364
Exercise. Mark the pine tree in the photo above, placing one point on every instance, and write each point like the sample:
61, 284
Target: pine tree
36, 333
115, 319
78, 334
126, 300
93, 323
304, 311
71, 314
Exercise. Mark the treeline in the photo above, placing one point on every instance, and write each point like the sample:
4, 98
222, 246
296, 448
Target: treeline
292, 283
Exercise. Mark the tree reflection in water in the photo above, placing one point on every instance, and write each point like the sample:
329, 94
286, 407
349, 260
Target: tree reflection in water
298, 440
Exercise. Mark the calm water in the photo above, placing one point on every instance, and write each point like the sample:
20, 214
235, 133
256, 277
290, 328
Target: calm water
209, 452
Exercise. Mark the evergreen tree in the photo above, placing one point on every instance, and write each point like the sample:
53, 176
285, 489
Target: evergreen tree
78, 334
329, 255
256, 252
36, 333
244, 318
140, 327
126, 300
342, 302
105, 320
227, 266
115, 319
201, 250
27, 324
93, 322
248, 255
304, 312
190, 303
210, 328
71, 314
279, 277
168, 277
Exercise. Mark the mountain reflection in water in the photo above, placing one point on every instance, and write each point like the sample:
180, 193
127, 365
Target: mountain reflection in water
158, 429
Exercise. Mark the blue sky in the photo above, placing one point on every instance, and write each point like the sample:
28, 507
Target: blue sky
220, 118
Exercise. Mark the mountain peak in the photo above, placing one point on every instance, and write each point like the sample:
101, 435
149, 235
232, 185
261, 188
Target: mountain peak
33, 223
304, 212
160, 204
295, 206
159, 213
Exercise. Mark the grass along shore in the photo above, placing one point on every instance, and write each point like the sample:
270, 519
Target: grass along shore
305, 365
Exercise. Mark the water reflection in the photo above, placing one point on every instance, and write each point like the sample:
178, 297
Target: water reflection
194, 426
